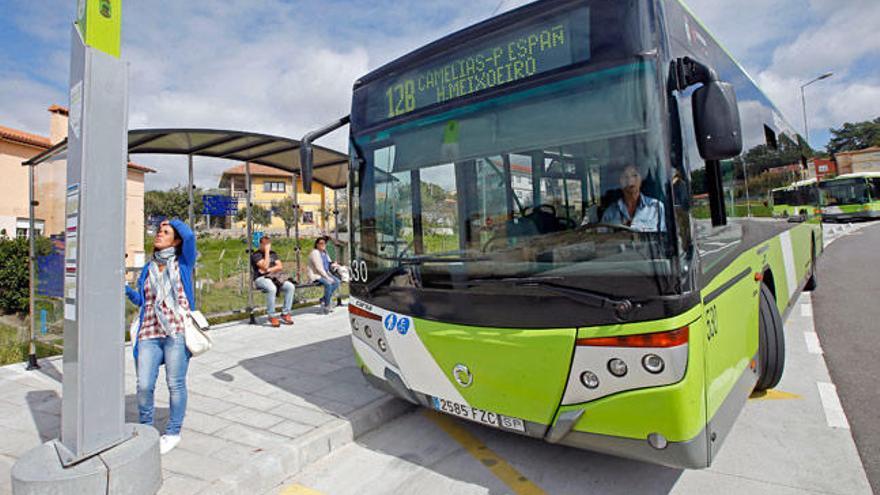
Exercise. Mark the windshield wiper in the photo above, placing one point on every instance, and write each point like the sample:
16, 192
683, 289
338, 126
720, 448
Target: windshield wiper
622, 307
404, 262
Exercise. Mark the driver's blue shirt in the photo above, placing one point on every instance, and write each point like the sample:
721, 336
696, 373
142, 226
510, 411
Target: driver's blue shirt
649, 217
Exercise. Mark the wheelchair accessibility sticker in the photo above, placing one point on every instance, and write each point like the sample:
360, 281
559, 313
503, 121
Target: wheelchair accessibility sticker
395, 322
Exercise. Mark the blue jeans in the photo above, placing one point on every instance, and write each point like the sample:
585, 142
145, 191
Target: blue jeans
267, 286
151, 354
330, 286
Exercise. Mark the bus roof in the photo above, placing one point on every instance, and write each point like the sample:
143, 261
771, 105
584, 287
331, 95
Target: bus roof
857, 175
805, 182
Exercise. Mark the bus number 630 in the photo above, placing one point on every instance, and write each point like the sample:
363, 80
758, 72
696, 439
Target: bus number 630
359, 271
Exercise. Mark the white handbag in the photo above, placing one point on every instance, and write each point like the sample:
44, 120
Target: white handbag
195, 326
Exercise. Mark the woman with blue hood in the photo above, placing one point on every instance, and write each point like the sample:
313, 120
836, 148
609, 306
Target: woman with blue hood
165, 296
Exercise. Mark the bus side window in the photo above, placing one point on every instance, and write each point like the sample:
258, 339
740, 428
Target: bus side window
713, 243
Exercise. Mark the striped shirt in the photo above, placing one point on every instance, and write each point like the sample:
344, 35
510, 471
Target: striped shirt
150, 327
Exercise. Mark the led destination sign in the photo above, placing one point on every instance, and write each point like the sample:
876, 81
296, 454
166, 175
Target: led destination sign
529, 48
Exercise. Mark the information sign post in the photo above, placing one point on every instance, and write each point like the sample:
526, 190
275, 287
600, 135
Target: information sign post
98, 452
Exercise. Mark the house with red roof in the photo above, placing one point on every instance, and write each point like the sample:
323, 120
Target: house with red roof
17, 146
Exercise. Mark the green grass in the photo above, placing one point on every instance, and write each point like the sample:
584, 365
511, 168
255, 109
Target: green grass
758, 209
14, 346
223, 268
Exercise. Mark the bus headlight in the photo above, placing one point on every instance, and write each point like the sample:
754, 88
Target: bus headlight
617, 367
589, 379
653, 363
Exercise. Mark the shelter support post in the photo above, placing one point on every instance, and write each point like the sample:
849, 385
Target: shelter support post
336, 218
296, 216
32, 264
191, 217
336, 236
249, 240
97, 452
190, 211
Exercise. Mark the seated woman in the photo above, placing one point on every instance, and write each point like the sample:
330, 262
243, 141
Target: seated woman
320, 265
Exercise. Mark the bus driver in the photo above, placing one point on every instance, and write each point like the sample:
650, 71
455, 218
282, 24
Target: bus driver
634, 209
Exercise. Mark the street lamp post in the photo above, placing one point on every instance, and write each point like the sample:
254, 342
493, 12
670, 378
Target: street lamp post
804, 102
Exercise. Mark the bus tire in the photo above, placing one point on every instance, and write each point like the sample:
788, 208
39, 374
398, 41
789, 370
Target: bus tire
812, 283
771, 341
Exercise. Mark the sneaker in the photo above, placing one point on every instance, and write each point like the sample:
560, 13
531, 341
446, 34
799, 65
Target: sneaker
167, 443
287, 319
274, 322
325, 309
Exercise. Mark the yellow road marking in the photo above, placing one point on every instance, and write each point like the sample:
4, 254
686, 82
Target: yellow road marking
773, 394
519, 484
297, 489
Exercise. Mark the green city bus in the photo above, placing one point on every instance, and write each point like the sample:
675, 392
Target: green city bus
799, 199
853, 196
496, 276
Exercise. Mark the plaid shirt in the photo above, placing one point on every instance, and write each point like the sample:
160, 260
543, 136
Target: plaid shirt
150, 328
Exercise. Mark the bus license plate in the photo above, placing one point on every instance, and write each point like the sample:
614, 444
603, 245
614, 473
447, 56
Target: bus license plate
481, 416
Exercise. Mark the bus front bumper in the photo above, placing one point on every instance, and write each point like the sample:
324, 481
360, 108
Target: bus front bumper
846, 217
689, 454
692, 454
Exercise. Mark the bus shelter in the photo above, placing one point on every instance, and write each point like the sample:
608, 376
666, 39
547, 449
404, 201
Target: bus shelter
47, 174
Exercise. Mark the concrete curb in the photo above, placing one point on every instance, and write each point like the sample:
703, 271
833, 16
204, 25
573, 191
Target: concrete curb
275, 464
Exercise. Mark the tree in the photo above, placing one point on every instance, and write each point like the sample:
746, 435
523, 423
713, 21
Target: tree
173, 203
287, 212
854, 137
259, 216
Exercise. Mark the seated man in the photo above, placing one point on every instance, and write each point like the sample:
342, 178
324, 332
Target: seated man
634, 209
266, 268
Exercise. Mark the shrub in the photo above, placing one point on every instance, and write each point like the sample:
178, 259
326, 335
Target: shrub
14, 279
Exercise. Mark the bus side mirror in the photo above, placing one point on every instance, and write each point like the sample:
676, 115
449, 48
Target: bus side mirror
305, 151
716, 121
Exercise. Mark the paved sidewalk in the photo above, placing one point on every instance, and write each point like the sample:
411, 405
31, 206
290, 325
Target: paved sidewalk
263, 404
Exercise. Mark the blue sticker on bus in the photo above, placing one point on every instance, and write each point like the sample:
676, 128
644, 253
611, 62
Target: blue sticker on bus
403, 325
390, 322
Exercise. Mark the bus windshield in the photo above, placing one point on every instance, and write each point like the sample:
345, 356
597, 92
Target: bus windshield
845, 192
781, 197
564, 180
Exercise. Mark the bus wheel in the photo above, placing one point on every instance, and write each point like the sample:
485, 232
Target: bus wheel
771, 341
812, 282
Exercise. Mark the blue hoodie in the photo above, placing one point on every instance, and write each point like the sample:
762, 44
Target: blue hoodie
186, 261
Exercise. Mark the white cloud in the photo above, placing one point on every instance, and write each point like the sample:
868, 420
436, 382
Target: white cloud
746, 27
787, 43
283, 68
847, 35
854, 103
25, 102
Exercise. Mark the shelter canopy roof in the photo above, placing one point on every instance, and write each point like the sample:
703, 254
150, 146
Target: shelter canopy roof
330, 167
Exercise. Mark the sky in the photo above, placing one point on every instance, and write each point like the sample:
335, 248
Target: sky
285, 67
